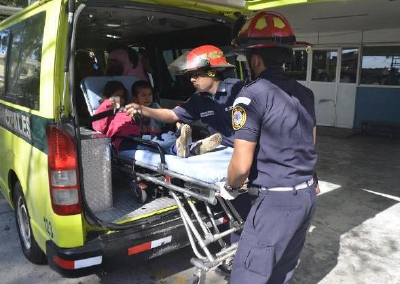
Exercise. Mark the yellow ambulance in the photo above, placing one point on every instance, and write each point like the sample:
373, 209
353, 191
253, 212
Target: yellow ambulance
72, 208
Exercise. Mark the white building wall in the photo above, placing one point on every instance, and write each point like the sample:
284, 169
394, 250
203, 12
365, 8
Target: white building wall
382, 36
335, 103
351, 37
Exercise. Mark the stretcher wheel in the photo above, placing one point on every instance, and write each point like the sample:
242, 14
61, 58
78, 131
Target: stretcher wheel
199, 277
139, 194
195, 280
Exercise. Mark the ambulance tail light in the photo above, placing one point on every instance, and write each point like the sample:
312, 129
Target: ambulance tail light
63, 172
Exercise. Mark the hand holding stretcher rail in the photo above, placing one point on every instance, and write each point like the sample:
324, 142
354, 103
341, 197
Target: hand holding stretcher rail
229, 194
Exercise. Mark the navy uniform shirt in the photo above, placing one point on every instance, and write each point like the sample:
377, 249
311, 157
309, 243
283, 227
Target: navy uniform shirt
278, 114
213, 110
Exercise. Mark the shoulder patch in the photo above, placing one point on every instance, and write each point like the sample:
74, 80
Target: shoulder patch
238, 117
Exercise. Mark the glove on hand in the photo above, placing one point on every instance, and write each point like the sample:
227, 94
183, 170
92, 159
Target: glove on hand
225, 194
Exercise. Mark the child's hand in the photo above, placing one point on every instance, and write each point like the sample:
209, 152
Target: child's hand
115, 101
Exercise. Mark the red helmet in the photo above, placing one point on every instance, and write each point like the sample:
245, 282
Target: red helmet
265, 29
205, 56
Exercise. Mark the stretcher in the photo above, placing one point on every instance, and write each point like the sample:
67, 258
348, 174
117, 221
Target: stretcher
197, 177
189, 181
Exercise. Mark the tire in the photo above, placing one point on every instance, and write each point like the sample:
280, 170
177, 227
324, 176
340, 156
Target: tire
30, 248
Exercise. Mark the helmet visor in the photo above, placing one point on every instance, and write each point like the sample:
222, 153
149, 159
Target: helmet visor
187, 62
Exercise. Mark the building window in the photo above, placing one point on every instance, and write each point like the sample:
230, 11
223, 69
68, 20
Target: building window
348, 72
297, 69
380, 65
324, 65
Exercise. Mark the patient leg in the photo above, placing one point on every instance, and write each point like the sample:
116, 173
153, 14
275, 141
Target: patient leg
206, 145
183, 142
185, 148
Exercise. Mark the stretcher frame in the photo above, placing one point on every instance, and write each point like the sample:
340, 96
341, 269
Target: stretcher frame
206, 233
202, 236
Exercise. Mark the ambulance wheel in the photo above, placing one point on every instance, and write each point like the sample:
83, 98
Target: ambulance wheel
139, 194
30, 248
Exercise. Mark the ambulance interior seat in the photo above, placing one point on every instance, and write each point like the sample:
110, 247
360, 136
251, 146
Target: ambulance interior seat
93, 87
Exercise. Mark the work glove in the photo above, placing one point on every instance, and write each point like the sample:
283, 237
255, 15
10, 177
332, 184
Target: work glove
225, 194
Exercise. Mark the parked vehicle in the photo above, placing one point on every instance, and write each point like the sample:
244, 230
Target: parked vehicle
72, 207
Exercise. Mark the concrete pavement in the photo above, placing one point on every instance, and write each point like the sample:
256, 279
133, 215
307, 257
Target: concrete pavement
354, 237
355, 234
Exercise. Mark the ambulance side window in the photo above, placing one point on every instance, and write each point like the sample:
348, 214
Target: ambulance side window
23, 57
4, 37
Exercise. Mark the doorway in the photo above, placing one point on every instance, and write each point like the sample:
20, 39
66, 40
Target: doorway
332, 76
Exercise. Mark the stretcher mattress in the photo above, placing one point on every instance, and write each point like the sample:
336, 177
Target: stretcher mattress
210, 168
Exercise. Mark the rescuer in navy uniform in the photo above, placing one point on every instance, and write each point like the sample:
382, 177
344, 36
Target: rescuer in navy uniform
211, 103
274, 120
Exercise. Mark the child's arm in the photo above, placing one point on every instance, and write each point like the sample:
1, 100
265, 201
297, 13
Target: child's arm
101, 125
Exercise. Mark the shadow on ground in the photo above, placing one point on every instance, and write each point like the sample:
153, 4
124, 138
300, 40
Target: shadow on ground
348, 240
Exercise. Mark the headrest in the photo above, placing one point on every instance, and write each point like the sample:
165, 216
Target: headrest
93, 87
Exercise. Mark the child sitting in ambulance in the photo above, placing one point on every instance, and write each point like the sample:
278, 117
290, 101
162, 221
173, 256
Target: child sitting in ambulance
142, 93
114, 95
121, 124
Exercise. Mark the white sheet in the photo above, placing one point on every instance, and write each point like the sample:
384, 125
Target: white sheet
210, 168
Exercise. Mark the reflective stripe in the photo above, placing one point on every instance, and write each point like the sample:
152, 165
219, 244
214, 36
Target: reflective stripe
149, 245
77, 264
222, 220
161, 242
139, 248
81, 263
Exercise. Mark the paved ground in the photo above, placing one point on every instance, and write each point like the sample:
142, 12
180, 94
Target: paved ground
354, 238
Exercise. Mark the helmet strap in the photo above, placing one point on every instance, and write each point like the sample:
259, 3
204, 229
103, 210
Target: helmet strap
249, 71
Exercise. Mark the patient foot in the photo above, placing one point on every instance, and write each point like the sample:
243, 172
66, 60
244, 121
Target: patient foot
206, 145
183, 142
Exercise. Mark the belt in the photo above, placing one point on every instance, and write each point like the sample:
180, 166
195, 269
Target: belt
300, 186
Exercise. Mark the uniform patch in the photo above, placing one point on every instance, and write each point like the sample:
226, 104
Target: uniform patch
207, 113
238, 117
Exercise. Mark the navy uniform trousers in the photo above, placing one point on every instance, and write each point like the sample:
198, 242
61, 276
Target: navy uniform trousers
273, 236
242, 204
